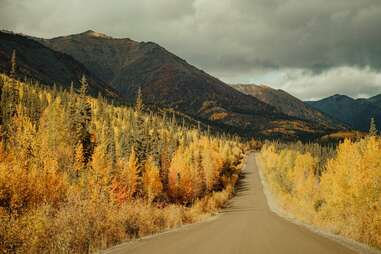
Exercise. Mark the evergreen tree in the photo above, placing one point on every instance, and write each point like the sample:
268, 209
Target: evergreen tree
8, 105
122, 144
12, 69
372, 128
109, 139
139, 106
81, 121
140, 132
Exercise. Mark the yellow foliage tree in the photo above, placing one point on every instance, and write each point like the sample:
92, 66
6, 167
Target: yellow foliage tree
351, 187
212, 165
151, 180
79, 164
345, 198
124, 185
185, 184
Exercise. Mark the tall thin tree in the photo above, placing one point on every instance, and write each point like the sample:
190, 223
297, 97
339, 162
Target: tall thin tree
139, 101
12, 70
372, 128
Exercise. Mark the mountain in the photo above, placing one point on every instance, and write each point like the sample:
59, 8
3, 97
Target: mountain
40, 63
168, 81
288, 104
357, 113
164, 78
376, 100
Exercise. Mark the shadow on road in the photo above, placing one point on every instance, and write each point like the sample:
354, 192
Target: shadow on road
241, 190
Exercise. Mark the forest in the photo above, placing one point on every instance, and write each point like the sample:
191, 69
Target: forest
79, 174
336, 188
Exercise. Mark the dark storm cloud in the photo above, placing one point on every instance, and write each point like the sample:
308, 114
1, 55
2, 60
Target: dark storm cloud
237, 40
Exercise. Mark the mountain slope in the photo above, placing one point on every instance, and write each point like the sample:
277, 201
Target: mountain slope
170, 82
376, 100
288, 104
40, 63
356, 113
163, 77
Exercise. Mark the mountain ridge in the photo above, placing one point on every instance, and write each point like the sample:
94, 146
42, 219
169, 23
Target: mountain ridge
288, 104
40, 63
357, 113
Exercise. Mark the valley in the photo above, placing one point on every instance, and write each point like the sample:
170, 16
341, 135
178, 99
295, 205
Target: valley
113, 145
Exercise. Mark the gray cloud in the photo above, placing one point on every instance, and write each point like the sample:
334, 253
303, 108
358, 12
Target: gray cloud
236, 40
351, 81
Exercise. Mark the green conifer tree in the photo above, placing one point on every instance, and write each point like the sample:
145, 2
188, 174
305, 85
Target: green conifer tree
372, 128
81, 121
12, 70
139, 106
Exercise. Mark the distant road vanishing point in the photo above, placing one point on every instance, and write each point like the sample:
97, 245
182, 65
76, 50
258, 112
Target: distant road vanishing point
246, 226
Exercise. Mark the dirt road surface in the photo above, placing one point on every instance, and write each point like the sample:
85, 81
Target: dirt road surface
246, 226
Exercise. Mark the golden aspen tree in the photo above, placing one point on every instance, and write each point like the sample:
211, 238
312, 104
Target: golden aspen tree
184, 183
79, 160
212, 165
151, 180
119, 186
124, 185
164, 164
132, 173
100, 176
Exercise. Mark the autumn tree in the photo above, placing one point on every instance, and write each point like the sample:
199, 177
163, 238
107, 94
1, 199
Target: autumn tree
88, 173
151, 180
79, 164
164, 163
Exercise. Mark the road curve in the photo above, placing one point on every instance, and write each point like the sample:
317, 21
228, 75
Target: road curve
246, 226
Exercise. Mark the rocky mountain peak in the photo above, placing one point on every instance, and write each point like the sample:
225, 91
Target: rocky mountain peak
92, 33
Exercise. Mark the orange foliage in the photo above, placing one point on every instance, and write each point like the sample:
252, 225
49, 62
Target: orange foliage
124, 186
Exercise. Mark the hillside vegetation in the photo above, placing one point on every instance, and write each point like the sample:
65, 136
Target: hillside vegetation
337, 189
78, 174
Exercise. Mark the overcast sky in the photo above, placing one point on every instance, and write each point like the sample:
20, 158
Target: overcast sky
309, 48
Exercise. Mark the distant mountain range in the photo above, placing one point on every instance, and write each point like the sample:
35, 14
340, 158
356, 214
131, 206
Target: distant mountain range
119, 67
288, 104
338, 112
376, 100
356, 113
